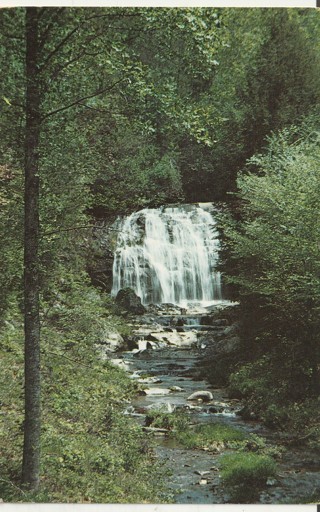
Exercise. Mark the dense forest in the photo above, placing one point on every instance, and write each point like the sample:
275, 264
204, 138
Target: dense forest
105, 111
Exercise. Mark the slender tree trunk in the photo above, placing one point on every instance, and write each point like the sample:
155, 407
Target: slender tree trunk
31, 448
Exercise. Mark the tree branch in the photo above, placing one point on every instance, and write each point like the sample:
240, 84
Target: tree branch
80, 100
58, 69
44, 35
63, 66
75, 228
57, 48
82, 22
101, 110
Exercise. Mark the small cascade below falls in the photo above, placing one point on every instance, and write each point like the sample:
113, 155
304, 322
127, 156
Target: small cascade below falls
168, 255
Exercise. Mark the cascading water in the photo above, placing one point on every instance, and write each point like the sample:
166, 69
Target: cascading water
168, 255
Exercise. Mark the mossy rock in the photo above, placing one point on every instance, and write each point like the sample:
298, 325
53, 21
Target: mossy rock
128, 300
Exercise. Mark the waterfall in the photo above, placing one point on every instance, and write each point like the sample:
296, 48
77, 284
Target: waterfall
168, 255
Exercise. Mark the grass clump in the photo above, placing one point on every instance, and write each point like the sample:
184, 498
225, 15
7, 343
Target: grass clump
213, 437
244, 475
173, 422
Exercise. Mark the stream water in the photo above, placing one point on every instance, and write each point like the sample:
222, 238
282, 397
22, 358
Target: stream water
169, 255
170, 374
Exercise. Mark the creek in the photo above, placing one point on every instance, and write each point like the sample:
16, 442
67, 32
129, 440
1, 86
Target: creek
170, 374
168, 256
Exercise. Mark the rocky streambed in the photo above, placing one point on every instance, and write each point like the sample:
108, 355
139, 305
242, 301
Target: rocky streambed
167, 345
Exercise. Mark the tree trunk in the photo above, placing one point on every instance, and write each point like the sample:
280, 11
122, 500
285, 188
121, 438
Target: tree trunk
31, 448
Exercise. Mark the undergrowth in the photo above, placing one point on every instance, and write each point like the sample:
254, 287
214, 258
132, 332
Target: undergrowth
267, 396
90, 451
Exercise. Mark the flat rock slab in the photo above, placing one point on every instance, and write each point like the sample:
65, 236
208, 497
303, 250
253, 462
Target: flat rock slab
149, 380
178, 339
156, 391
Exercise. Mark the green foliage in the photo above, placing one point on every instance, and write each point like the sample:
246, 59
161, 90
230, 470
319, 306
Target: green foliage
251, 378
166, 103
276, 252
11, 229
135, 173
175, 422
91, 451
213, 437
245, 474
267, 78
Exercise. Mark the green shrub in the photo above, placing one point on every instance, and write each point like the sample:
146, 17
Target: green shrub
177, 421
251, 379
214, 436
245, 474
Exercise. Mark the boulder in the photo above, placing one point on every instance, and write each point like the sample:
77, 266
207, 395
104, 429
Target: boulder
112, 340
231, 330
192, 408
127, 299
166, 309
206, 396
153, 308
165, 407
176, 389
109, 341
121, 364
131, 341
145, 319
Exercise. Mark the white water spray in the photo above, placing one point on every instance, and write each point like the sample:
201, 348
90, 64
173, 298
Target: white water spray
168, 255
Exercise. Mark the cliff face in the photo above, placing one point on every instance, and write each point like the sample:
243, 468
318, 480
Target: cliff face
102, 244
